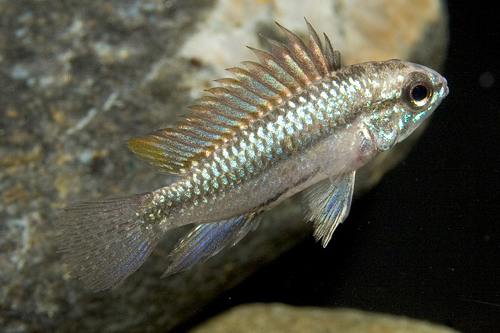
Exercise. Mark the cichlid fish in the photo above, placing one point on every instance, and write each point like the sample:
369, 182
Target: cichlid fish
295, 121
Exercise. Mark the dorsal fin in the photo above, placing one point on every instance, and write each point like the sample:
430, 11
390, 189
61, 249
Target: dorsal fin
253, 92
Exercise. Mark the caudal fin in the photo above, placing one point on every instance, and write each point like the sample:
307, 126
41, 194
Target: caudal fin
105, 241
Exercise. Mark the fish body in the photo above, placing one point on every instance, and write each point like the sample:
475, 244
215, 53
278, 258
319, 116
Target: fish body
294, 122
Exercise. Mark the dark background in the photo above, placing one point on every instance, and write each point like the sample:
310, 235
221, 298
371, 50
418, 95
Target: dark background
425, 242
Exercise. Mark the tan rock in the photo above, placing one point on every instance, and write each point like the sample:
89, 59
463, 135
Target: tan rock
281, 318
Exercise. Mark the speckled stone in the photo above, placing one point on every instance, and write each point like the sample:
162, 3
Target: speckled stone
78, 78
281, 318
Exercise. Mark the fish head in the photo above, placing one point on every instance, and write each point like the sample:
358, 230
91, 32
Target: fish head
407, 94
421, 90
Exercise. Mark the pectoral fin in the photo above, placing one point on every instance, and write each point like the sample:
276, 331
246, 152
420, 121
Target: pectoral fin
207, 239
327, 205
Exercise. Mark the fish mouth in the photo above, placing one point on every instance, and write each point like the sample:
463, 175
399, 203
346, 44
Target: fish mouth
445, 91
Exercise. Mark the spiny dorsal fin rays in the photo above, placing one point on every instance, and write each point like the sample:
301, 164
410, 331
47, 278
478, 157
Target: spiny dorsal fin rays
300, 54
285, 83
227, 111
206, 133
277, 90
287, 63
236, 97
332, 56
253, 92
316, 51
247, 91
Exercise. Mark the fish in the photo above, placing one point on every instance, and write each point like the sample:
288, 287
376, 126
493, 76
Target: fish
294, 121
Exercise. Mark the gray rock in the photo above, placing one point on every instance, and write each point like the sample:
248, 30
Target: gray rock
79, 78
281, 318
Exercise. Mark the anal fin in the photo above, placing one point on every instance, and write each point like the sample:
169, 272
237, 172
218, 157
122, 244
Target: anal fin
207, 239
327, 204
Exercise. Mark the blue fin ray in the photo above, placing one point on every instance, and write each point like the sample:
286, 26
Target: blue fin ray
207, 239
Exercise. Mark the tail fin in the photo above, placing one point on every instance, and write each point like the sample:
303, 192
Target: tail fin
105, 241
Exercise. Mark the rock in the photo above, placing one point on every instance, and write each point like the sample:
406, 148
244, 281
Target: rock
281, 318
79, 78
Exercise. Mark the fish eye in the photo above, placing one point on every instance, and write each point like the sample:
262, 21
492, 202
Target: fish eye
417, 91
